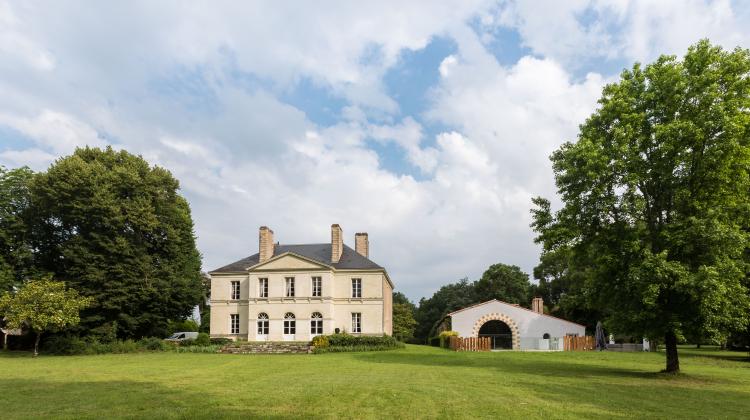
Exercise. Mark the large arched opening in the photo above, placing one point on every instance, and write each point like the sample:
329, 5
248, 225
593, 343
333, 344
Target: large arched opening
499, 333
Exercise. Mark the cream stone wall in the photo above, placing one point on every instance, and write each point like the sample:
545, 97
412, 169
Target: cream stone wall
336, 303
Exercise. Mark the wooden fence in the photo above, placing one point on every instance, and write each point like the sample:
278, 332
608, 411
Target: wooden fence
470, 344
584, 343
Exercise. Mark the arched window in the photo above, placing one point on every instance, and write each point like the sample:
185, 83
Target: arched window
290, 325
546, 336
262, 323
316, 323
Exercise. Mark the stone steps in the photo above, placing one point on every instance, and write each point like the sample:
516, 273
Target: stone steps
268, 347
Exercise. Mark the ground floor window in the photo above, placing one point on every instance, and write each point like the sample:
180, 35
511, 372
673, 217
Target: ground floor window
290, 324
262, 323
356, 322
316, 323
234, 323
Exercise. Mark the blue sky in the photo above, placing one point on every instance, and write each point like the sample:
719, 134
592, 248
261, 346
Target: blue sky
426, 124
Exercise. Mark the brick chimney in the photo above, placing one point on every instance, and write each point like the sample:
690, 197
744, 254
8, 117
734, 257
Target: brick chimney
337, 243
362, 244
537, 305
265, 245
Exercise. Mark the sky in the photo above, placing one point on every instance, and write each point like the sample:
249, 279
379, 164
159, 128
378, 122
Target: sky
427, 124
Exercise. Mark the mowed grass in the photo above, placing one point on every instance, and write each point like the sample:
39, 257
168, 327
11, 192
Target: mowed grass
416, 382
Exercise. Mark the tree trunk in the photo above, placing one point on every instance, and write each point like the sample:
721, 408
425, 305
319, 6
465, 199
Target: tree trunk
673, 363
697, 346
36, 344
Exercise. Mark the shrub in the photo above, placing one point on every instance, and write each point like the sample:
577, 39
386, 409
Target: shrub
220, 340
445, 338
202, 340
153, 344
434, 341
320, 341
347, 342
182, 326
211, 348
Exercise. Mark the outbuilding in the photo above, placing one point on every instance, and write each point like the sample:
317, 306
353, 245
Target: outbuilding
512, 327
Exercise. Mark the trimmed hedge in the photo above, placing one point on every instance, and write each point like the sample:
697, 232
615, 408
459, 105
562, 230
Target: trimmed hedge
72, 345
346, 342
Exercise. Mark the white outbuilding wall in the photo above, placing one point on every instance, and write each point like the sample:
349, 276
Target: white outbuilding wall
528, 327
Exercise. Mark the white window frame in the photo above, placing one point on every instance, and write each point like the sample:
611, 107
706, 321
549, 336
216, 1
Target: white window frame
290, 326
263, 287
357, 288
289, 289
262, 325
316, 324
317, 286
356, 322
235, 290
234, 323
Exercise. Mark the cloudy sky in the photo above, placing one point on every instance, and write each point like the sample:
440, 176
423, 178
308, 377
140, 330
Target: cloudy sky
427, 124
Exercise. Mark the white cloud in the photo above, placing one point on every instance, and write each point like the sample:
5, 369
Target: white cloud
199, 89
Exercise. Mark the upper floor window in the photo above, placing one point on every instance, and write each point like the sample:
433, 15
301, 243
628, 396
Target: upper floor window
290, 324
262, 323
263, 288
234, 323
316, 323
290, 287
356, 322
235, 290
317, 287
356, 288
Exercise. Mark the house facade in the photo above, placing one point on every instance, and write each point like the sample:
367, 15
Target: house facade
513, 327
295, 292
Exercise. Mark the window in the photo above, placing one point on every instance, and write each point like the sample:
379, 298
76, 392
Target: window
262, 323
356, 322
316, 323
290, 325
235, 290
546, 336
234, 323
263, 288
290, 287
317, 287
356, 288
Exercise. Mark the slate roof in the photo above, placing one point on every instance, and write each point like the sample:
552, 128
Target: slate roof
350, 259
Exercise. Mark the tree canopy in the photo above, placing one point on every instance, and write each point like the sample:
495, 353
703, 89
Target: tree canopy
654, 223
42, 305
15, 250
116, 229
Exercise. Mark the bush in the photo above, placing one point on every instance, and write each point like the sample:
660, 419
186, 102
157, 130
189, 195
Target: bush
220, 340
445, 338
182, 326
320, 341
211, 348
347, 342
202, 340
434, 341
153, 344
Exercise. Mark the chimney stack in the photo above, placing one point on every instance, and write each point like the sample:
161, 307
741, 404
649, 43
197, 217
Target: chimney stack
537, 305
265, 246
337, 242
362, 244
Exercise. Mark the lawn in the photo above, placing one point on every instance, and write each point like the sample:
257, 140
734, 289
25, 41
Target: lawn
414, 382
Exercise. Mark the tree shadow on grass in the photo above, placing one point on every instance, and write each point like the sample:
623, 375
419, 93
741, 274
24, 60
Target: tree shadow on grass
23, 399
533, 364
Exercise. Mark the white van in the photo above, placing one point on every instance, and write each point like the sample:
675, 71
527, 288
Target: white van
182, 336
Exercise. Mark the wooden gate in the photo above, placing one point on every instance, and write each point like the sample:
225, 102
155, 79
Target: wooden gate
584, 343
470, 344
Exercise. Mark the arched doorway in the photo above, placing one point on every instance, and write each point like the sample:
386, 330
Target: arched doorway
501, 337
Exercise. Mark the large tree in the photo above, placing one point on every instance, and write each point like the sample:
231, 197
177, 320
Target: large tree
504, 282
41, 306
117, 230
431, 312
15, 250
655, 195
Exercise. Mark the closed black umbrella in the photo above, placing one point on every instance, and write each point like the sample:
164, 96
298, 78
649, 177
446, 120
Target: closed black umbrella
601, 339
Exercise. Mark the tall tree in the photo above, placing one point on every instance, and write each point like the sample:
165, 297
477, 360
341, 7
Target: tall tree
504, 282
41, 306
656, 202
116, 230
403, 321
15, 249
449, 298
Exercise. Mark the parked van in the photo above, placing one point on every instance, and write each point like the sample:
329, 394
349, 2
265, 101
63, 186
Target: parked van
182, 336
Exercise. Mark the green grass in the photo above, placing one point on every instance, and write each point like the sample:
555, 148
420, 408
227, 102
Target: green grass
413, 382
